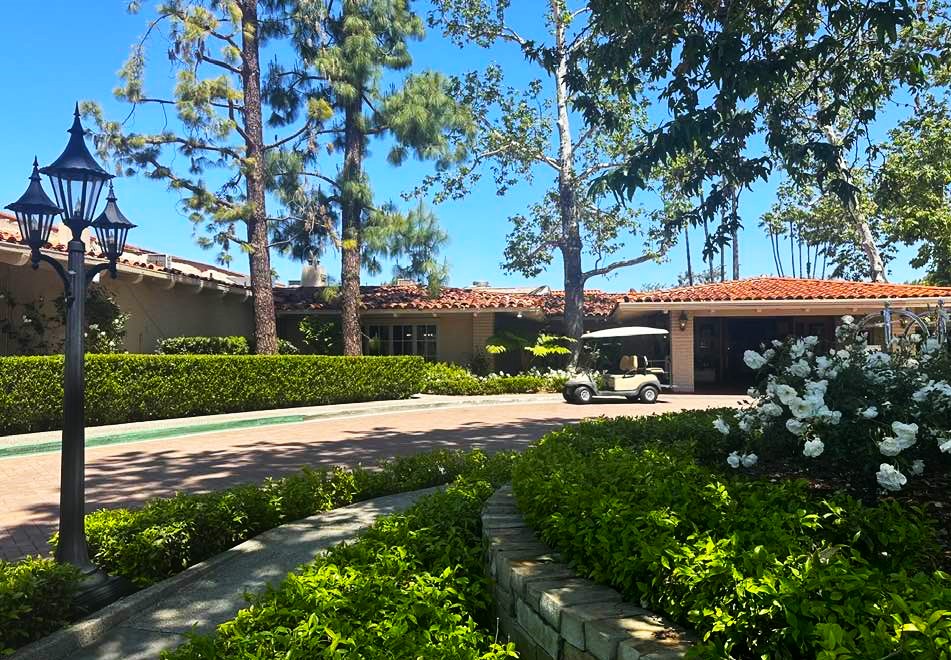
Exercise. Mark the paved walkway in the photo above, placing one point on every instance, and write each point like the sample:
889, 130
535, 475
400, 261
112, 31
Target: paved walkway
129, 474
197, 600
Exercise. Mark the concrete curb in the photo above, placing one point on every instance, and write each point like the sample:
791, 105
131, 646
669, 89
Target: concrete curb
87, 632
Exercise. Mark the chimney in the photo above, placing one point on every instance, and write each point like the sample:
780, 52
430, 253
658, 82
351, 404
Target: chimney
481, 284
161, 261
313, 275
405, 281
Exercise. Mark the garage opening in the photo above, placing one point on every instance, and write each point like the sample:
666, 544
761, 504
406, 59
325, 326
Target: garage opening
719, 344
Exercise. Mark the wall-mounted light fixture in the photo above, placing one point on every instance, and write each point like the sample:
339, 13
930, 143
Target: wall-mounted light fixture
683, 321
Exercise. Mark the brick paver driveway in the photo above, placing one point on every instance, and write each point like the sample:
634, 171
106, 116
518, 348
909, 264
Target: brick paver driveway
129, 474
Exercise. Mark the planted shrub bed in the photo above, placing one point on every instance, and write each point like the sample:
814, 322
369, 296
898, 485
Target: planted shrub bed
453, 380
758, 567
129, 388
413, 586
168, 535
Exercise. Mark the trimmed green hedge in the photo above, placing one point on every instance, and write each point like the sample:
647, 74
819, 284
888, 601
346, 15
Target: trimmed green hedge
236, 345
130, 388
233, 345
451, 379
760, 569
413, 586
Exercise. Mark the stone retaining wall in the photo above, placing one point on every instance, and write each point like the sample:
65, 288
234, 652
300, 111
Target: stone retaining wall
550, 613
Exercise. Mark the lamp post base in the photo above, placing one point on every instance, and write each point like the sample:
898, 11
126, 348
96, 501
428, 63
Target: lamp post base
98, 590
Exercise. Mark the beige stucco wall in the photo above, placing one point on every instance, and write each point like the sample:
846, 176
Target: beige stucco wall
483, 327
155, 311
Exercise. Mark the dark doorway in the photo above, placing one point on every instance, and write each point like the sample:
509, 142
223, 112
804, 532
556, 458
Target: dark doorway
719, 344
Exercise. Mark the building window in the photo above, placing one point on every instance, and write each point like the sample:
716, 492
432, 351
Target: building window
400, 340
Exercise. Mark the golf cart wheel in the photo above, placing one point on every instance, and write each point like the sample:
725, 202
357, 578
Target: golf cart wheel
583, 394
568, 393
649, 394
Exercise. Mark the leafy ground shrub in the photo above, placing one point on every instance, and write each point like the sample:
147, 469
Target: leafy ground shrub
129, 388
451, 379
759, 569
168, 535
413, 586
35, 598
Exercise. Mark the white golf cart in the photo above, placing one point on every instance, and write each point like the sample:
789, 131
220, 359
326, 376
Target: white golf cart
632, 377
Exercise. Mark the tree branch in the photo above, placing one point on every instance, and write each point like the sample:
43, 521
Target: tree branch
219, 63
624, 263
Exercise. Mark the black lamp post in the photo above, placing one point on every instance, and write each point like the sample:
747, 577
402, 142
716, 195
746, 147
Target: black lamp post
77, 181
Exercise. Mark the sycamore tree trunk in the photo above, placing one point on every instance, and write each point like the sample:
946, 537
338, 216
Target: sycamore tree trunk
265, 327
853, 210
689, 259
351, 220
570, 244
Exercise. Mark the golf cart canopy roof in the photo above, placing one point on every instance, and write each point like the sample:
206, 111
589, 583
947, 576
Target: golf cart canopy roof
626, 331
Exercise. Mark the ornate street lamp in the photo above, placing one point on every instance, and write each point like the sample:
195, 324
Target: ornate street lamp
77, 181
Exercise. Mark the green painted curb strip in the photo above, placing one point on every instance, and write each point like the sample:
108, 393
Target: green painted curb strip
154, 434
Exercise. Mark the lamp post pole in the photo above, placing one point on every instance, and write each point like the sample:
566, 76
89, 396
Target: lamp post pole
77, 181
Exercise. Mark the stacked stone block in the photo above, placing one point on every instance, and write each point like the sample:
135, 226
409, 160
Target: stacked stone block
552, 614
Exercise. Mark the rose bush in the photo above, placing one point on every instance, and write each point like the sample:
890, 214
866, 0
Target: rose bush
854, 406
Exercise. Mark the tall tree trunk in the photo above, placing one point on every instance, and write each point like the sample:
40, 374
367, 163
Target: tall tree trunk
850, 202
706, 244
265, 326
351, 221
735, 200
570, 232
689, 260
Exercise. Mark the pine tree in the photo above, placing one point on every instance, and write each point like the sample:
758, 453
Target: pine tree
219, 101
347, 47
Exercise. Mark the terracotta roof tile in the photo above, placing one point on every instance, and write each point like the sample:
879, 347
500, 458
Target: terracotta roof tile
788, 288
396, 297
134, 257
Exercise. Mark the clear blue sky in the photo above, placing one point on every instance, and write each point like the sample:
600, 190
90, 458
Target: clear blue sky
55, 54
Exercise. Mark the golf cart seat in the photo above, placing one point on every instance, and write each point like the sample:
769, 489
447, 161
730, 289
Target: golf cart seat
629, 378
647, 369
628, 364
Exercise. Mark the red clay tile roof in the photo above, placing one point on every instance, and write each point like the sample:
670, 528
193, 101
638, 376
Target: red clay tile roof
396, 297
133, 256
788, 288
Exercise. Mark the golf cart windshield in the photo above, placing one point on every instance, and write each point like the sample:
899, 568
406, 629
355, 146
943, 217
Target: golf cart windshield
602, 350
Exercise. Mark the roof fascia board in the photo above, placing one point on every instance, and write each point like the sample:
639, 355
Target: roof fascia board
764, 304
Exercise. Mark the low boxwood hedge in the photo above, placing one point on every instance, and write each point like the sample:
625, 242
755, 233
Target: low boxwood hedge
453, 380
761, 569
413, 586
129, 388
167, 535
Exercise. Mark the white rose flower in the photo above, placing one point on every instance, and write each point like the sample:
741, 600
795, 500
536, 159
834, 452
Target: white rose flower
734, 460
749, 460
777, 344
721, 426
878, 359
801, 408
754, 360
905, 433
917, 467
931, 345
772, 409
870, 413
811, 341
744, 425
890, 478
813, 448
796, 427
769, 354
842, 354
800, 369
786, 393
848, 319
751, 392
911, 363
890, 447
945, 446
